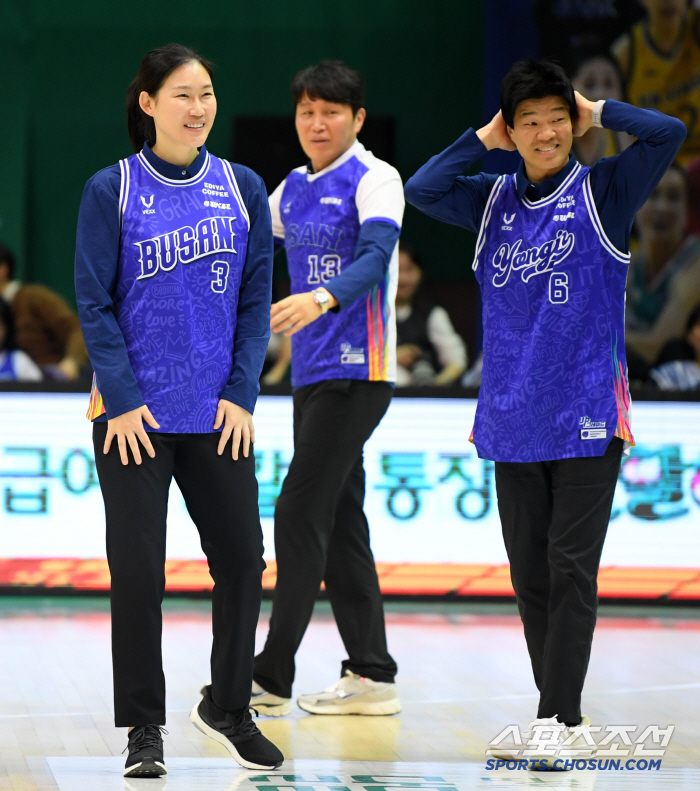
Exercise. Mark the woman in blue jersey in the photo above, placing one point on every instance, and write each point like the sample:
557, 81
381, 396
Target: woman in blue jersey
339, 219
554, 412
173, 279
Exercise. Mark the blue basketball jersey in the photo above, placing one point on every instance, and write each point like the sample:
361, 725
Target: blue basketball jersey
183, 248
554, 380
320, 216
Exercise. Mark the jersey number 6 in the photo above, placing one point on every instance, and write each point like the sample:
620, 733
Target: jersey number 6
558, 288
219, 283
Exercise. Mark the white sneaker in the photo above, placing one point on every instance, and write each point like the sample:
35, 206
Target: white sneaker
552, 744
353, 694
268, 704
553, 733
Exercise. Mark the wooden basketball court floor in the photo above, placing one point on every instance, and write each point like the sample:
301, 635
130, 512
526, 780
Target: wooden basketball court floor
464, 676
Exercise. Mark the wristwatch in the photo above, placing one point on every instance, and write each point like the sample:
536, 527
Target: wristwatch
597, 113
321, 297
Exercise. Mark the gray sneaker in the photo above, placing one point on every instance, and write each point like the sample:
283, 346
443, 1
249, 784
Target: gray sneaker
353, 694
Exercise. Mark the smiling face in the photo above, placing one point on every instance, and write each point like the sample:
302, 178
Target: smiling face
183, 111
662, 219
542, 132
326, 129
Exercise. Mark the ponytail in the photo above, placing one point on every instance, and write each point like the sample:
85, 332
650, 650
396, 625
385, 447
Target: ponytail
154, 70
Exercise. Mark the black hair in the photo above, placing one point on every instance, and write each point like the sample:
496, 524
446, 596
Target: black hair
154, 70
9, 344
693, 319
532, 79
332, 81
8, 257
412, 253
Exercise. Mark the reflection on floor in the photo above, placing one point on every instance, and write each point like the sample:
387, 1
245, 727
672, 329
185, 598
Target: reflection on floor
218, 774
464, 676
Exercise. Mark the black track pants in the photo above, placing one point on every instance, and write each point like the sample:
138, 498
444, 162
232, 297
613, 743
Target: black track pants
321, 534
555, 516
222, 498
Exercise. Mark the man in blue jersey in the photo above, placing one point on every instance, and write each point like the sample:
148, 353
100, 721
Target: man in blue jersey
339, 218
553, 412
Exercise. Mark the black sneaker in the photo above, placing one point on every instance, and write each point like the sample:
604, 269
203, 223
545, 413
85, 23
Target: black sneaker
145, 752
237, 732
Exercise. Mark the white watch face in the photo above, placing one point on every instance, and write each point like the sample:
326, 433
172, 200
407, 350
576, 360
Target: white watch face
321, 297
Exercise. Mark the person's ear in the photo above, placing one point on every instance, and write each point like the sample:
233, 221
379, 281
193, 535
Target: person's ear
511, 132
146, 102
359, 120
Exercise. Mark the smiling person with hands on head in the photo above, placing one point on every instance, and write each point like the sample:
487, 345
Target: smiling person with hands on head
173, 278
553, 412
339, 218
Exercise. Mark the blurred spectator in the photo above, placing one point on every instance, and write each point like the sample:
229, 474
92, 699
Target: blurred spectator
682, 374
277, 359
428, 351
663, 284
47, 329
660, 62
567, 26
15, 365
597, 76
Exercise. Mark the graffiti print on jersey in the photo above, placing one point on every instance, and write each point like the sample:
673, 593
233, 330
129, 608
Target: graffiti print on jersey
177, 296
553, 303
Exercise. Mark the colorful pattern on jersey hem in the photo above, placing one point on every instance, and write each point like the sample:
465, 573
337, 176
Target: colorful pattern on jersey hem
96, 406
622, 399
377, 330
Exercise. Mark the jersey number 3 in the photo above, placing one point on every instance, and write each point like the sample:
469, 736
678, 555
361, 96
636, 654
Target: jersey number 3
219, 283
558, 288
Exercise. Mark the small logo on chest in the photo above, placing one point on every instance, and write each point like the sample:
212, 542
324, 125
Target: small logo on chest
334, 201
148, 203
508, 220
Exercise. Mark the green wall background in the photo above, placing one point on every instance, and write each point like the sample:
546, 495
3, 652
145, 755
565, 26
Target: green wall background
66, 66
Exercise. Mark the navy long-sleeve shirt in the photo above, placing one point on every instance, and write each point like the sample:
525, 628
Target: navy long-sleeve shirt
621, 184
97, 272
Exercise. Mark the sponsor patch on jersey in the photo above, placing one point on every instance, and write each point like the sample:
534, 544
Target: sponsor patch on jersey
592, 433
351, 355
334, 201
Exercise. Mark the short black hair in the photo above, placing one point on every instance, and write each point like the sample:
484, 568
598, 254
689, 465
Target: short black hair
9, 344
332, 81
532, 79
412, 253
7, 257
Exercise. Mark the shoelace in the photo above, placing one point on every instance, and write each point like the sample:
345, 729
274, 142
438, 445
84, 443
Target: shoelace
145, 736
240, 726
